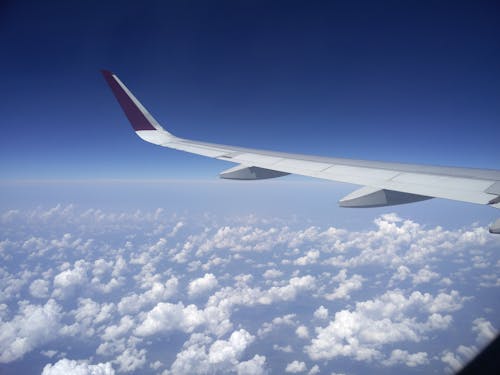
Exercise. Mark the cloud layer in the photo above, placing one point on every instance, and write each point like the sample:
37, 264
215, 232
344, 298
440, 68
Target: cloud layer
158, 292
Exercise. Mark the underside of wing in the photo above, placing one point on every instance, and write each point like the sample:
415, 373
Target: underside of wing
383, 183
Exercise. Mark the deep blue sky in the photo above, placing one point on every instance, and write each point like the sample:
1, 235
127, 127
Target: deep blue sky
414, 81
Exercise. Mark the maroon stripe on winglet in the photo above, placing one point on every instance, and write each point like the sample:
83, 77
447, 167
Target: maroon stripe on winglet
134, 115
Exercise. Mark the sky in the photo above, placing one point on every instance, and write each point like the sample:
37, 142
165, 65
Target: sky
118, 256
414, 81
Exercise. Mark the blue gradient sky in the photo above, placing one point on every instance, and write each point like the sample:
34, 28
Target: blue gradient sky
411, 81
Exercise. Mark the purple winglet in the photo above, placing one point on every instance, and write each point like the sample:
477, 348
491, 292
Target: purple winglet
133, 113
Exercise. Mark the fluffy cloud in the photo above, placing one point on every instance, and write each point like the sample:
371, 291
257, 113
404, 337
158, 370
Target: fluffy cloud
131, 360
220, 305
346, 286
254, 366
401, 274
288, 292
228, 351
296, 367
314, 370
67, 281
454, 362
166, 317
202, 284
321, 313
200, 355
267, 327
66, 366
33, 326
272, 274
391, 318
87, 316
424, 275
39, 288
484, 330
158, 292
399, 356
302, 332
311, 257
113, 332
127, 269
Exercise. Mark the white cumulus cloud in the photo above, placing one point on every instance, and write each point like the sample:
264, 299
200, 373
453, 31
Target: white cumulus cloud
390, 318
34, 325
321, 313
202, 284
166, 317
399, 356
39, 288
296, 367
67, 366
484, 330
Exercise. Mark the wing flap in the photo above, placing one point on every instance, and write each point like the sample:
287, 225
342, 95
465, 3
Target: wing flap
243, 172
374, 197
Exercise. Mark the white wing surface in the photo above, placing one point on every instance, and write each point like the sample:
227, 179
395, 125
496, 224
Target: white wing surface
383, 183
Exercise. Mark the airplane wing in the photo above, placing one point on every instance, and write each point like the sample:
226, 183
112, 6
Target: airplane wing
383, 183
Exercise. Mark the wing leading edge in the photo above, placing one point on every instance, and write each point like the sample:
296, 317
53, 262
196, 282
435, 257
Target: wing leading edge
383, 183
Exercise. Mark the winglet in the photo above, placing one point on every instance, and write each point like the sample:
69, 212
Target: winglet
138, 116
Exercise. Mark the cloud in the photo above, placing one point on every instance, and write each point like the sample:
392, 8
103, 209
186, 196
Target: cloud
314, 370
67, 281
399, 356
119, 280
131, 360
254, 366
34, 325
228, 351
454, 362
158, 292
166, 317
302, 332
346, 286
113, 332
390, 318
200, 355
202, 285
49, 353
87, 316
284, 349
484, 330
220, 305
424, 275
288, 292
66, 366
296, 367
272, 274
39, 288
401, 274
321, 313
193, 358
311, 257
267, 327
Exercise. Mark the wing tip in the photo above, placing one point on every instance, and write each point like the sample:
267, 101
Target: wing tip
107, 73
137, 115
